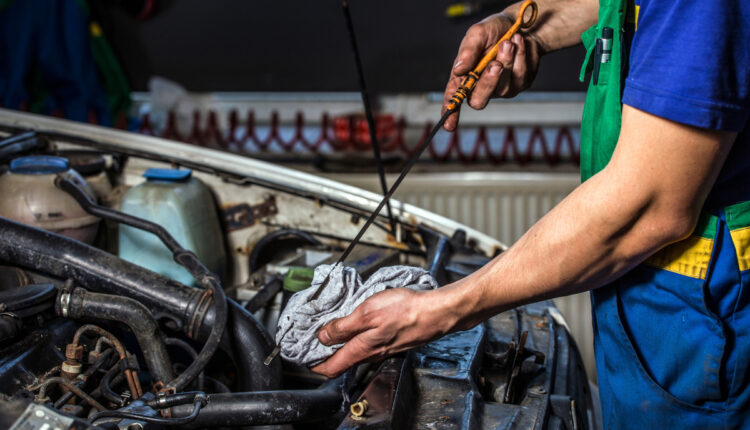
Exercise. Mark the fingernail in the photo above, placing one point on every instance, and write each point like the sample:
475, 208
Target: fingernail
506, 47
324, 338
494, 69
517, 38
458, 63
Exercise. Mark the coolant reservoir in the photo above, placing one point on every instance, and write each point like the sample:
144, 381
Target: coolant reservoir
185, 207
29, 196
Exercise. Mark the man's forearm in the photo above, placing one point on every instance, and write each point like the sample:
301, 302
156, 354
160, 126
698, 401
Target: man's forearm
648, 196
560, 22
583, 243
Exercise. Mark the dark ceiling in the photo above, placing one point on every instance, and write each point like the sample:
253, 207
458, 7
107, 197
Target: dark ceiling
232, 45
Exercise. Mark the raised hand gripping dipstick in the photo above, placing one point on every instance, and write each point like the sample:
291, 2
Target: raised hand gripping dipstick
461, 93
472, 77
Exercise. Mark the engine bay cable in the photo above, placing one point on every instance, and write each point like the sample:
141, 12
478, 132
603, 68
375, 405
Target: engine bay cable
198, 403
182, 256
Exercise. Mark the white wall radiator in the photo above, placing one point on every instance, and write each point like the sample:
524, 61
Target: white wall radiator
501, 204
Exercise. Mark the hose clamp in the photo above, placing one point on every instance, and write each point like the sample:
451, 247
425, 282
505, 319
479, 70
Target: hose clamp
161, 399
199, 313
65, 304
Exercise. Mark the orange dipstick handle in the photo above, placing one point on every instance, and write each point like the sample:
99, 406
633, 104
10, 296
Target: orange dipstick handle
472, 77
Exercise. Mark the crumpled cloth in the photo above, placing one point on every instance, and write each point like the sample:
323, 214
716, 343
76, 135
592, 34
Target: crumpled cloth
299, 323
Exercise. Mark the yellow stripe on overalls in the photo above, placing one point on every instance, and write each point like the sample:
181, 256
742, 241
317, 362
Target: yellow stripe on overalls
632, 15
689, 257
741, 240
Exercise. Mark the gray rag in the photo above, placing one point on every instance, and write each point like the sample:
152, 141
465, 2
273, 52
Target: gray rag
299, 323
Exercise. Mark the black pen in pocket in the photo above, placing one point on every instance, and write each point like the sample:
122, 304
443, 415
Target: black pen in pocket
597, 60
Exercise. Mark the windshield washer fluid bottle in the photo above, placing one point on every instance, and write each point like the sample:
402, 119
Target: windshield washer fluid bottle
185, 207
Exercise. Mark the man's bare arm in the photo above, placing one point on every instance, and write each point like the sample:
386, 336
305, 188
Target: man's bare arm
648, 196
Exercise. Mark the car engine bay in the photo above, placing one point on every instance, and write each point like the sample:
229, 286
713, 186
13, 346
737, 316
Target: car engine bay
140, 288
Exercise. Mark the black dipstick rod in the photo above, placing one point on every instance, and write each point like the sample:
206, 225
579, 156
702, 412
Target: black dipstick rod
463, 90
368, 110
370, 220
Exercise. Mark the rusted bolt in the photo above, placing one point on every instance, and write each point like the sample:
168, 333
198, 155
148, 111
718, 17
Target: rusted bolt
74, 351
71, 367
358, 409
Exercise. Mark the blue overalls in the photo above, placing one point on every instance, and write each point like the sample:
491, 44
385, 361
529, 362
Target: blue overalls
671, 336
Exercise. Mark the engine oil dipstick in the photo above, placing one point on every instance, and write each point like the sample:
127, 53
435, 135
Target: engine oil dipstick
272, 355
458, 98
277, 348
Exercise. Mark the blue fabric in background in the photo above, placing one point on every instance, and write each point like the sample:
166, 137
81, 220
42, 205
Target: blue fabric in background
690, 63
46, 61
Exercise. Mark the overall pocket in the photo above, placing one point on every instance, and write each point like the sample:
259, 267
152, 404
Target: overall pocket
677, 344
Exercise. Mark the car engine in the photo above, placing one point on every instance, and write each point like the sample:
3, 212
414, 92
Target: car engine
140, 288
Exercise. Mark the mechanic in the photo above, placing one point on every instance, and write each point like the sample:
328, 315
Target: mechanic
659, 230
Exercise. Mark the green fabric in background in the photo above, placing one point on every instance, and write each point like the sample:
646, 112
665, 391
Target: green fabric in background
114, 82
113, 78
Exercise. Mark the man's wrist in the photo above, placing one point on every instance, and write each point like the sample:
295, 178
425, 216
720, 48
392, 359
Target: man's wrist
457, 307
538, 46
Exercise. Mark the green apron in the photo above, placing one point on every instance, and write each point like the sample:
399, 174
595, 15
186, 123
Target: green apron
602, 113
672, 336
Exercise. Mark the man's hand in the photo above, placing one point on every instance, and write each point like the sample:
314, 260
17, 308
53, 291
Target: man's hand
388, 322
559, 25
510, 73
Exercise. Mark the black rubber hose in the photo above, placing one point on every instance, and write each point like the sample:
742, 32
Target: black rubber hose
105, 386
149, 419
214, 338
97, 270
188, 397
94, 269
18, 144
82, 304
98, 392
260, 247
267, 407
266, 293
122, 218
184, 257
179, 343
248, 339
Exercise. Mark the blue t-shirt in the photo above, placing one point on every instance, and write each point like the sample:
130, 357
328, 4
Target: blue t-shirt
690, 62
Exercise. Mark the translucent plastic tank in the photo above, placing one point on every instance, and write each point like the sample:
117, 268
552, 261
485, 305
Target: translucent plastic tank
185, 207
28, 195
